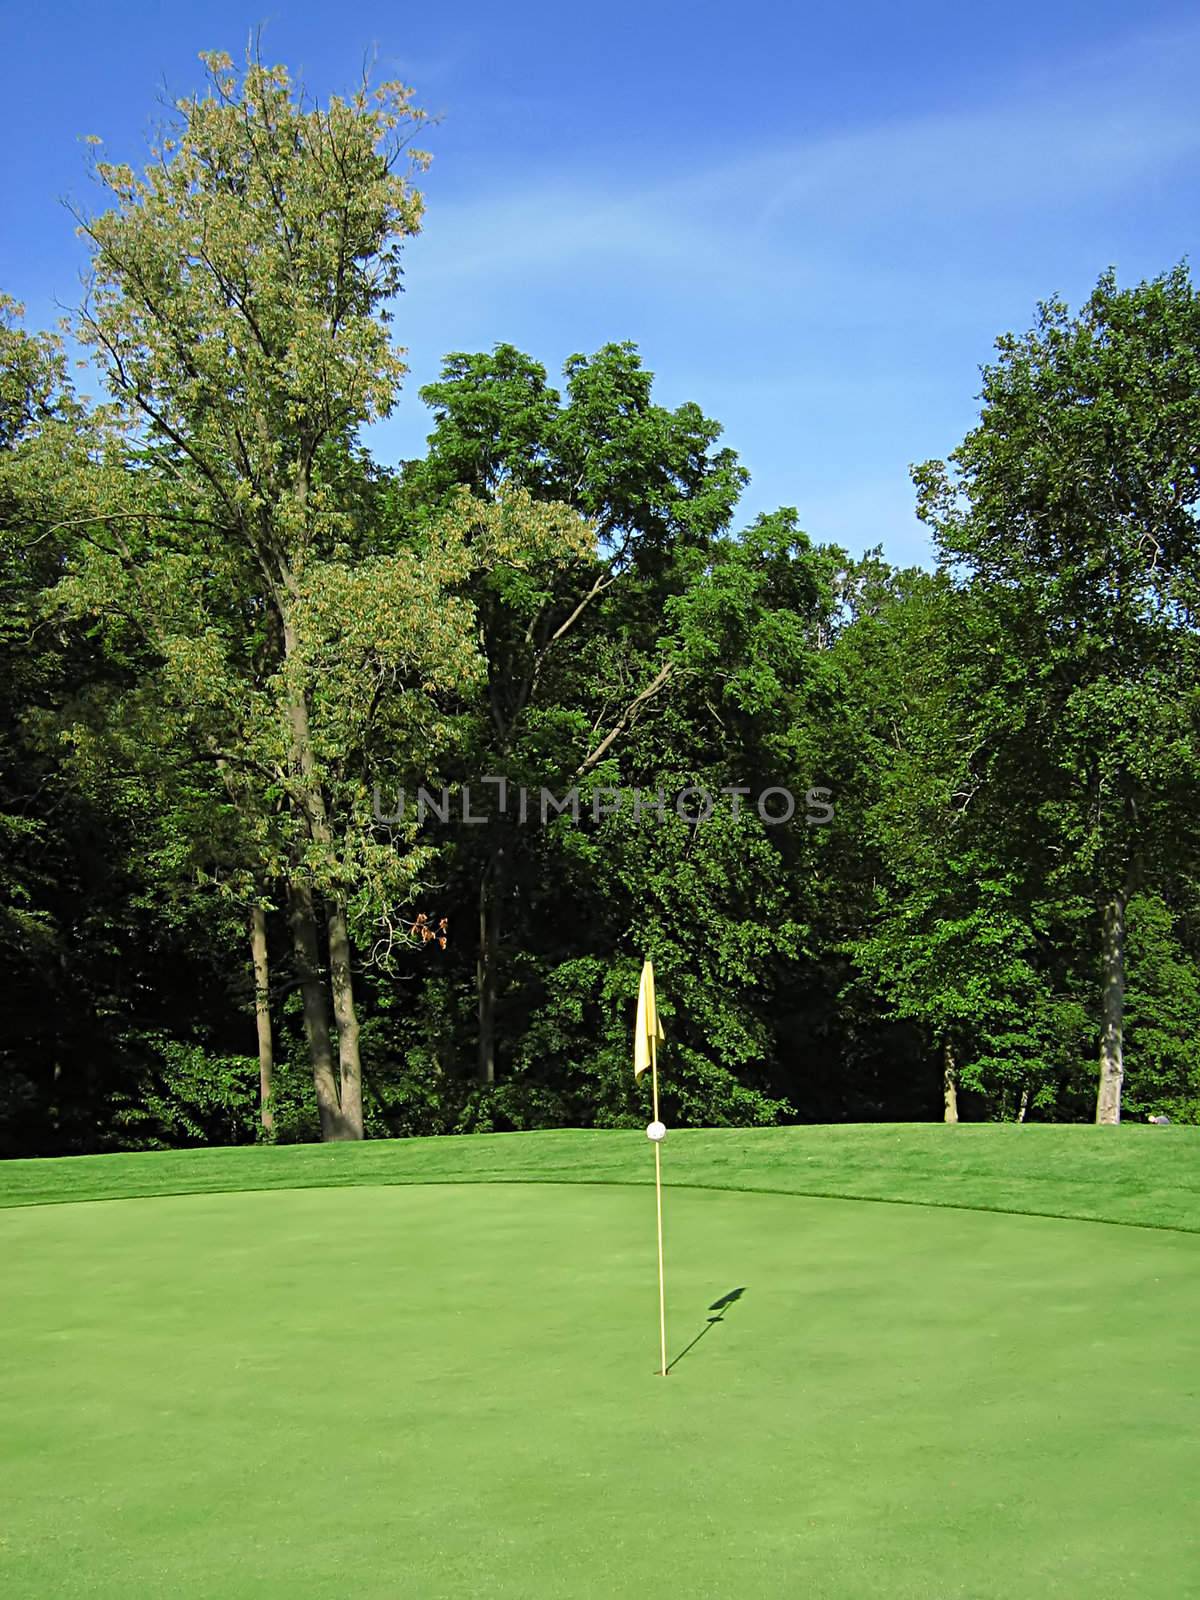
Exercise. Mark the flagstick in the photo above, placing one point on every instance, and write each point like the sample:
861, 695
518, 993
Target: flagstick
662, 1294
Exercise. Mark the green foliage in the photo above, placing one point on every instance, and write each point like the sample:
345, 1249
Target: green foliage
189, 1096
1162, 1015
225, 630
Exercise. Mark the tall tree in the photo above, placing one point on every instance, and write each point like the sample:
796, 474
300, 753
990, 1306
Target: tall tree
238, 307
569, 600
1073, 507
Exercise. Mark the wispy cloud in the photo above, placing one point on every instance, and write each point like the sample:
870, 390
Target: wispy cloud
831, 298
781, 214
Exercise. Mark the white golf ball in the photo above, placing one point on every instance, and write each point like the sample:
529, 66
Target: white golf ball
656, 1131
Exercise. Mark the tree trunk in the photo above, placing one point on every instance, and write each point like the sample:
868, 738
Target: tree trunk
485, 984
1024, 1106
949, 1083
341, 1117
490, 888
262, 1014
316, 1020
1112, 1066
341, 983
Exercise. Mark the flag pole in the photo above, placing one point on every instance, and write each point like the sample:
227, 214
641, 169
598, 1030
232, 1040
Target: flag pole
662, 1294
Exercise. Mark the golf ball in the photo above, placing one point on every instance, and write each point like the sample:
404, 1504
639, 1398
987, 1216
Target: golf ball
656, 1131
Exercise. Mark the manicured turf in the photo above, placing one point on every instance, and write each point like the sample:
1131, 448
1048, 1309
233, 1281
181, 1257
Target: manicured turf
433, 1389
1136, 1174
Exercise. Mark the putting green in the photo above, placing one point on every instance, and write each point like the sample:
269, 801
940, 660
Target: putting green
449, 1391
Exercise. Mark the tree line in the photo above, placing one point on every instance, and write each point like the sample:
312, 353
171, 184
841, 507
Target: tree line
228, 631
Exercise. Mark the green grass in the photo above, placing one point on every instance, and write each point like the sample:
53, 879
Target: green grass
1133, 1174
361, 1378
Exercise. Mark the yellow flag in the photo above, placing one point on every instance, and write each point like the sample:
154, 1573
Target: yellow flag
648, 1029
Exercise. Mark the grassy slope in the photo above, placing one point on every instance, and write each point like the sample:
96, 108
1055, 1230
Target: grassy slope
1134, 1174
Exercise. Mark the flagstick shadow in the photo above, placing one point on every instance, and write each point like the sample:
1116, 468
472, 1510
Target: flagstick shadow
720, 1307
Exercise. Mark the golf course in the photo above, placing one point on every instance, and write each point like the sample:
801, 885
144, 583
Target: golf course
599, 846
905, 1361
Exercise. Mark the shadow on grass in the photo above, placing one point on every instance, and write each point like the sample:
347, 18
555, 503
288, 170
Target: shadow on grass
720, 1306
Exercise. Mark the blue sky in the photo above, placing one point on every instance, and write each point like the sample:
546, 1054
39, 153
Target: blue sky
813, 220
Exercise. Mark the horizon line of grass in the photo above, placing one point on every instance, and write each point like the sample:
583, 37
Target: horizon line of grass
1133, 1176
